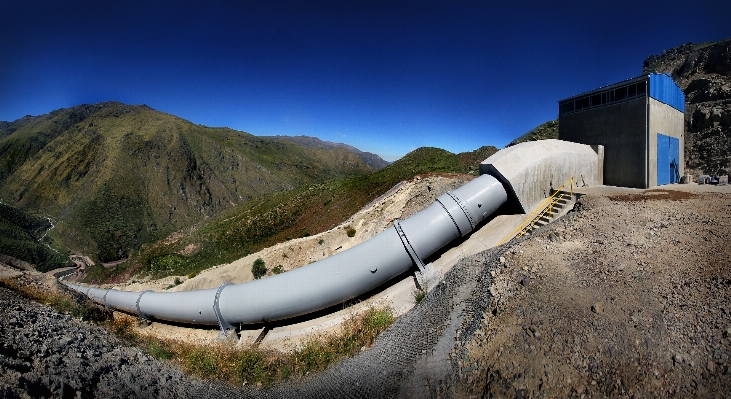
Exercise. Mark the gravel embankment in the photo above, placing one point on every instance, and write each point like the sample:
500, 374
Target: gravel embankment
47, 354
628, 297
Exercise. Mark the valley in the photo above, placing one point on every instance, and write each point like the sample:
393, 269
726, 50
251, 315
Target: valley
625, 296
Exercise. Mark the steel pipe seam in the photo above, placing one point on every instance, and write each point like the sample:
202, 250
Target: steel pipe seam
97, 294
125, 301
430, 230
456, 226
182, 306
455, 212
105, 299
482, 198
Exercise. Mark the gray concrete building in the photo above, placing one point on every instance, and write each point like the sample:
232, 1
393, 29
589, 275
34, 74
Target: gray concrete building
640, 123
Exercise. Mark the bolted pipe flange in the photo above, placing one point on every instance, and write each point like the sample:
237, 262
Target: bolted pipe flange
463, 206
407, 245
106, 306
142, 316
226, 327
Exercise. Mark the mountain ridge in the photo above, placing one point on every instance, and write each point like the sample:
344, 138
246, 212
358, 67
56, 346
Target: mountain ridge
369, 158
118, 175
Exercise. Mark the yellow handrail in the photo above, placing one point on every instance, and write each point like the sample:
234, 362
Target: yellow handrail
546, 207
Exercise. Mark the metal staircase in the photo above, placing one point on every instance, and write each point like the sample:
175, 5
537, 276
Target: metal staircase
551, 208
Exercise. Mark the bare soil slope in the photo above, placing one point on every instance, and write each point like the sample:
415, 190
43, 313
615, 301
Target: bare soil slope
630, 296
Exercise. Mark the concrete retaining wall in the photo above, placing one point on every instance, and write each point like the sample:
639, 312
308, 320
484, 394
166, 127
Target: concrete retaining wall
535, 169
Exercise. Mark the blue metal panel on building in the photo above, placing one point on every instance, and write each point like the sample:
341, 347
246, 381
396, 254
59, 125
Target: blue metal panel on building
664, 89
668, 160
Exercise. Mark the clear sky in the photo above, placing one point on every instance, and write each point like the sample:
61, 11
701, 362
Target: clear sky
384, 76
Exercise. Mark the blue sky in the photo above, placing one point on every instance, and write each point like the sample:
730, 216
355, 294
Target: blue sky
385, 76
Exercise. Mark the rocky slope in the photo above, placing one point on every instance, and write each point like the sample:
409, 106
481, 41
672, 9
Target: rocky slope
703, 72
48, 354
117, 175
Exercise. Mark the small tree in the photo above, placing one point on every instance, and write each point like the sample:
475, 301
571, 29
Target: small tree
350, 231
259, 269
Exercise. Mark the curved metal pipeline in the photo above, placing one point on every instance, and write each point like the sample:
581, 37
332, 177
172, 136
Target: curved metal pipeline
328, 282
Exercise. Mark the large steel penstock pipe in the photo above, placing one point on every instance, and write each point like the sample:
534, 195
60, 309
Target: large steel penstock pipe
328, 282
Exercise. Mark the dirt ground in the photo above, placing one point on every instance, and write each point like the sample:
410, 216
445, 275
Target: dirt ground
627, 296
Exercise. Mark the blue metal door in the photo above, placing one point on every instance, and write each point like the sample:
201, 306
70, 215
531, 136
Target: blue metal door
674, 158
663, 160
668, 159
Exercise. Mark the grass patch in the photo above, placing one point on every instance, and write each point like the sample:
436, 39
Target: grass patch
220, 362
258, 366
419, 295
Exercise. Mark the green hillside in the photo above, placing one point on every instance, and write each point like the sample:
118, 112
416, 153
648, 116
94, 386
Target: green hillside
19, 237
546, 130
277, 217
116, 176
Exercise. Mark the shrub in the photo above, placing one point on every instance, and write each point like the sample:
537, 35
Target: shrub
419, 295
351, 232
177, 281
321, 241
259, 269
278, 269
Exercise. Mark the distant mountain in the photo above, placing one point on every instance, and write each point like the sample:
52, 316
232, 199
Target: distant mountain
703, 72
116, 176
370, 159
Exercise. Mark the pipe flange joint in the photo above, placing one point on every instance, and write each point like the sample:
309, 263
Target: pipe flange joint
463, 206
407, 245
450, 216
222, 323
141, 315
104, 298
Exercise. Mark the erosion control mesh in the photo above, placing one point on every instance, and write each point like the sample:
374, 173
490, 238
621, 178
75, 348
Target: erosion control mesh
417, 355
